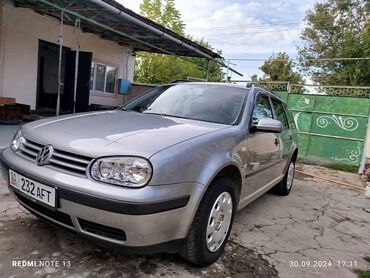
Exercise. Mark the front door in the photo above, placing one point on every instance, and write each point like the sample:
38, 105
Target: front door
260, 151
285, 136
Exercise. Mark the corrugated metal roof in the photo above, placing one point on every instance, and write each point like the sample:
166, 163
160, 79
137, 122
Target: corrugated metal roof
89, 9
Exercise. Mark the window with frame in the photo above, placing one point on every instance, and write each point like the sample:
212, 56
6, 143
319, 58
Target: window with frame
280, 113
103, 78
262, 109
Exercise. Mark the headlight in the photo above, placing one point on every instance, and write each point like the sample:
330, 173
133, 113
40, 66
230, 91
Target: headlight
17, 141
125, 171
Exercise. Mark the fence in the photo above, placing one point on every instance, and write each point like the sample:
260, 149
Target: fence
331, 127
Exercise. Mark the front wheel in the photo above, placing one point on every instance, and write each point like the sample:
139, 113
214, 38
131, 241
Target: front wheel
212, 224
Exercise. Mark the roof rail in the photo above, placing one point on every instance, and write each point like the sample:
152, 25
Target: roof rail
179, 81
252, 83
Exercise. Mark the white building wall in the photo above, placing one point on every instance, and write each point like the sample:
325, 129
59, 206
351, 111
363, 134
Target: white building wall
20, 34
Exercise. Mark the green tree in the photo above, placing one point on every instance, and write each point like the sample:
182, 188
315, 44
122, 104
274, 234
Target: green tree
279, 67
337, 29
160, 68
163, 13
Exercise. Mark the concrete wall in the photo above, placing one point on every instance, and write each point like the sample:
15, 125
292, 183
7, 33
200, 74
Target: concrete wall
20, 32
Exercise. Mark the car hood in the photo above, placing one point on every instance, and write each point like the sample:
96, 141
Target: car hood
115, 132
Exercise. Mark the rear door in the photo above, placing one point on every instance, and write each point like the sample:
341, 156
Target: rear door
260, 151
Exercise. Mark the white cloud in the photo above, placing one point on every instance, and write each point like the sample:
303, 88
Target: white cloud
243, 29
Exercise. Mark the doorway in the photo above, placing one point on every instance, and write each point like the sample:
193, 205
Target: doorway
47, 79
47, 76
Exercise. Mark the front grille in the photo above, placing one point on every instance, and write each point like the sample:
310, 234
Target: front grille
102, 230
55, 215
60, 159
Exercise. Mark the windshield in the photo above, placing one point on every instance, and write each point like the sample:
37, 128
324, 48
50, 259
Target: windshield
211, 103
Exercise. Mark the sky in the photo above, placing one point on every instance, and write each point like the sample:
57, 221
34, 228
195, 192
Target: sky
243, 29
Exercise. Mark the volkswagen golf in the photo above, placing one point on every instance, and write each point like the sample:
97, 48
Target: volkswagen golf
166, 172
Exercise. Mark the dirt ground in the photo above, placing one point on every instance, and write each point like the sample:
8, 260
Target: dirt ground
319, 230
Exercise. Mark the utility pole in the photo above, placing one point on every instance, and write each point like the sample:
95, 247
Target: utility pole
207, 70
60, 84
77, 28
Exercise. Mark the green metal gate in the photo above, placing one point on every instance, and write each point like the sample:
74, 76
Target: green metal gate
331, 128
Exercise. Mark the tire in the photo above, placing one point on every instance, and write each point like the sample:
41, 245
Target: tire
195, 248
283, 188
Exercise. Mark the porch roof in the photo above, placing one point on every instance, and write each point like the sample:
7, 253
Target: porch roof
124, 26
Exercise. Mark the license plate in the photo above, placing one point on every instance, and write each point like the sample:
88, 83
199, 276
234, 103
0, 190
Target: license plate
34, 189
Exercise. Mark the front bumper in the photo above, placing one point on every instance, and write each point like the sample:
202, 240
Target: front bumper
146, 220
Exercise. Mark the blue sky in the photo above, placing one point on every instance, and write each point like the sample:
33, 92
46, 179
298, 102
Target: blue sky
243, 29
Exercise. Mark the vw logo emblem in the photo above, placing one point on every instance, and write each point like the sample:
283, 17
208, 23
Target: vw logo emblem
44, 155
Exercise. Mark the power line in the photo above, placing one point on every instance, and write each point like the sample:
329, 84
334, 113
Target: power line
247, 33
265, 24
258, 31
338, 59
317, 59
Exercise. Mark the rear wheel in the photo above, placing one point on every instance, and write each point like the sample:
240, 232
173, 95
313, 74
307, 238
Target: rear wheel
283, 188
212, 224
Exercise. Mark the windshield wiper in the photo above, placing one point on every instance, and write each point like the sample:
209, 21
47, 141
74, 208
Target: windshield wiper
167, 115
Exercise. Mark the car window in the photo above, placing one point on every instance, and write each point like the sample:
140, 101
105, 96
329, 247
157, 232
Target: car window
262, 109
211, 103
289, 114
280, 113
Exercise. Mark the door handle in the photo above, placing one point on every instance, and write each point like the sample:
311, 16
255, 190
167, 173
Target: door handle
276, 142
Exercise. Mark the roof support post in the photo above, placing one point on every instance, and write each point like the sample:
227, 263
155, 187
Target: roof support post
207, 69
60, 84
77, 29
227, 71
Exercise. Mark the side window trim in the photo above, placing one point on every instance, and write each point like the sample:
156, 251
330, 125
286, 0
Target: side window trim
284, 112
272, 108
285, 106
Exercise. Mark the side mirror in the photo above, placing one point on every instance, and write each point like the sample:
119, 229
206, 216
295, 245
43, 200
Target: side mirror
269, 125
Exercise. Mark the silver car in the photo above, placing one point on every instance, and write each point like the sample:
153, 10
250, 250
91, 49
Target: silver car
166, 172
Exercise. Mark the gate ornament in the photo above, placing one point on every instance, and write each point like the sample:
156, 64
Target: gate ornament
347, 124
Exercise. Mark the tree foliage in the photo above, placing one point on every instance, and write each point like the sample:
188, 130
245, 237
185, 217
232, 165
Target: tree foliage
337, 29
160, 68
279, 67
163, 13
